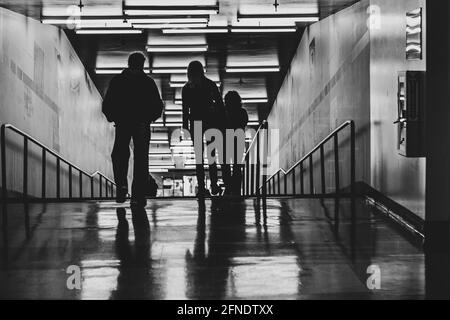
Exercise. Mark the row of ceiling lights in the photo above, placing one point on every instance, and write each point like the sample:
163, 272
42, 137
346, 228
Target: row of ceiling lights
179, 19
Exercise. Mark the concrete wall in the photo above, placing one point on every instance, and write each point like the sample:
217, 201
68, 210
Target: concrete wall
342, 70
46, 92
402, 179
327, 84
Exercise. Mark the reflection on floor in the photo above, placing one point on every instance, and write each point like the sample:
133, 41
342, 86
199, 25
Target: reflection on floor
294, 249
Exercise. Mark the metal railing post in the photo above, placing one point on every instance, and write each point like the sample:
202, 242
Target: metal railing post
80, 182
258, 168
25, 169
92, 187
322, 169
311, 175
293, 182
58, 178
44, 174
336, 164
70, 181
100, 186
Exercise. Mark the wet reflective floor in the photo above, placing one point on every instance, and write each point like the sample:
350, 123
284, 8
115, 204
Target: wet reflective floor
180, 249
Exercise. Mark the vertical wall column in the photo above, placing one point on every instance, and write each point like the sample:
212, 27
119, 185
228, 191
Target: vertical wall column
437, 215
438, 123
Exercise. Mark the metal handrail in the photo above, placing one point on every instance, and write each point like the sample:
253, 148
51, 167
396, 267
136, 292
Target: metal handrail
249, 180
46, 150
261, 126
320, 144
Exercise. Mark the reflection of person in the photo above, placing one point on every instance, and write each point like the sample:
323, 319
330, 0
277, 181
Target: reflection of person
132, 102
207, 271
135, 280
202, 102
237, 118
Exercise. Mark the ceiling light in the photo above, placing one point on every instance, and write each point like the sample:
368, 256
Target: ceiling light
168, 20
255, 100
252, 69
263, 29
108, 31
170, 70
173, 113
113, 70
299, 17
196, 30
168, 25
174, 84
171, 10
177, 48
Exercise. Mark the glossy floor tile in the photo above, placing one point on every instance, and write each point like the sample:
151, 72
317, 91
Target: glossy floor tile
180, 249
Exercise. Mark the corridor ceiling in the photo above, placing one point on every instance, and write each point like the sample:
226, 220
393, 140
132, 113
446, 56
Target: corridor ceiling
245, 45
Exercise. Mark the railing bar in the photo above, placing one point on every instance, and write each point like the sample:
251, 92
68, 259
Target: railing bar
336, 164
58, 178
302, 183
44, 174
311, 175
25, 168
70, 182
322, 168
80, 182
293, 182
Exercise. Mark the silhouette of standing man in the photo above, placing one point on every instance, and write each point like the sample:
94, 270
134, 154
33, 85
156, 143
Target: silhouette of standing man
132, 102
202, 102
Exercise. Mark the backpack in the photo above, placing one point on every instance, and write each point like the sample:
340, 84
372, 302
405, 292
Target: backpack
151, 189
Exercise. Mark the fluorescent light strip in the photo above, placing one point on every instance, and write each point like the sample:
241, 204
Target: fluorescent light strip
196, 30
171, 10
181, 84
159, 170
255, 100
130, 19
108, 31
133, 12
159, 141
252, 69
253, 123
113, 70
168, 25
173, 113
291, 17
169, 70
168, 20
177, 48
262, 30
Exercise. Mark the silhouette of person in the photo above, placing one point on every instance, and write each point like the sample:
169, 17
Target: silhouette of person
132, 102
202, 102
237, 118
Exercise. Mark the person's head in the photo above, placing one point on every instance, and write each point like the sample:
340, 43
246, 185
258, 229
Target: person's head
195, 71
233, 100
136, 61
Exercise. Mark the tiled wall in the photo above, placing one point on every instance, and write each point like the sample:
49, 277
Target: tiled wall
46, 92
345, 70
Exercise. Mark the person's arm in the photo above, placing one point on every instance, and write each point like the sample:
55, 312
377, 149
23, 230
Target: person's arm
157, 104
185, 99
109, 104
218, 98
244, 117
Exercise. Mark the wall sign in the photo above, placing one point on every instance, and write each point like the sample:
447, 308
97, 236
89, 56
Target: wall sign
414, 35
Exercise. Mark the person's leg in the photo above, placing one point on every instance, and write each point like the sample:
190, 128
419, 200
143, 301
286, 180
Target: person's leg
120, 157
226, 167
215, 189
141, 142
237, 179
199, 167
